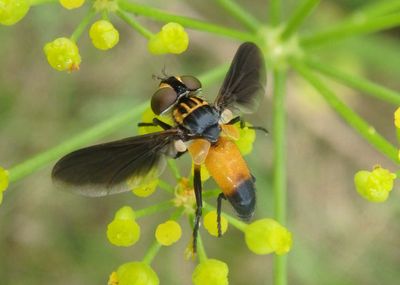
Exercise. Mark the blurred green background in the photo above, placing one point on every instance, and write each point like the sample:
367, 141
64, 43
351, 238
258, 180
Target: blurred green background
53, 237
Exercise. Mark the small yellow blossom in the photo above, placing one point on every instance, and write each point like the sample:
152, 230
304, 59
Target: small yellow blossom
211, 225
4, 179
71, 4
136, 273
103, 34
246, 139
397, 118
266, 236
374, 185
211, 272
12, 11
123, 232
63, 54
146, 189
168, 233
125, 213
113, 279
171, 39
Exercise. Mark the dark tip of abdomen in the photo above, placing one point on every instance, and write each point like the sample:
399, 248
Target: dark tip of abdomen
243, 199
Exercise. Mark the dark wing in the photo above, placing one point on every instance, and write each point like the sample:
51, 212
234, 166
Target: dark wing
244, 84
116, 166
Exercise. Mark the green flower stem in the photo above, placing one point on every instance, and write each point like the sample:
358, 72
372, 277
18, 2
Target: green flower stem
353, 81
162, 16
233, 221
300, 14
378, 8
163, 206
25, 168
366, 131
275, 12
174, 168
200, 249
165, 186
279, 180
350, 28
134, 24
40, 2
156, 246
240, 14
82, 25
151, 252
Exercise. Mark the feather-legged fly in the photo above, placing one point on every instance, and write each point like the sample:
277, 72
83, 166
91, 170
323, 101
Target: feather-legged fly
204, 130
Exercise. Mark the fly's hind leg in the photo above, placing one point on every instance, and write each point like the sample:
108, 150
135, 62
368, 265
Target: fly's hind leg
219, 209
199, 204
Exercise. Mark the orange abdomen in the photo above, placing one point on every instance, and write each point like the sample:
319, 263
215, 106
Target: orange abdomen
226, 165
228, 168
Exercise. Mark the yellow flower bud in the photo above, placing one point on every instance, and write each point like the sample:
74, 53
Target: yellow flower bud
168, 233
211, 272
246, 139
211, 225
71, 4
125, 213
113, 279
63, 54
136, 273
103, 34
397, 118
4, 179
375, 185
12, 11
171, 39
266, 236
123, 232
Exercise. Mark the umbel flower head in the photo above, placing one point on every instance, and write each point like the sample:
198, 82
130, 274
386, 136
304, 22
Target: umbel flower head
374, 185
12, 11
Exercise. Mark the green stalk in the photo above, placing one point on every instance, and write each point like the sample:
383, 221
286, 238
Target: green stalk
174, 168
25, 168
240, 14
200, 249
279, 181
165, 186
275, 12
359, 83
378, 8
135, 24
82, 25
162, 16
300, 14
163, 206
367, 131
151, 252
350, 29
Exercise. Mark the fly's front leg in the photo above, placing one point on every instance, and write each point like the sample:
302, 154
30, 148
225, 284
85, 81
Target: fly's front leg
199, 204
156, 122
243, 124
